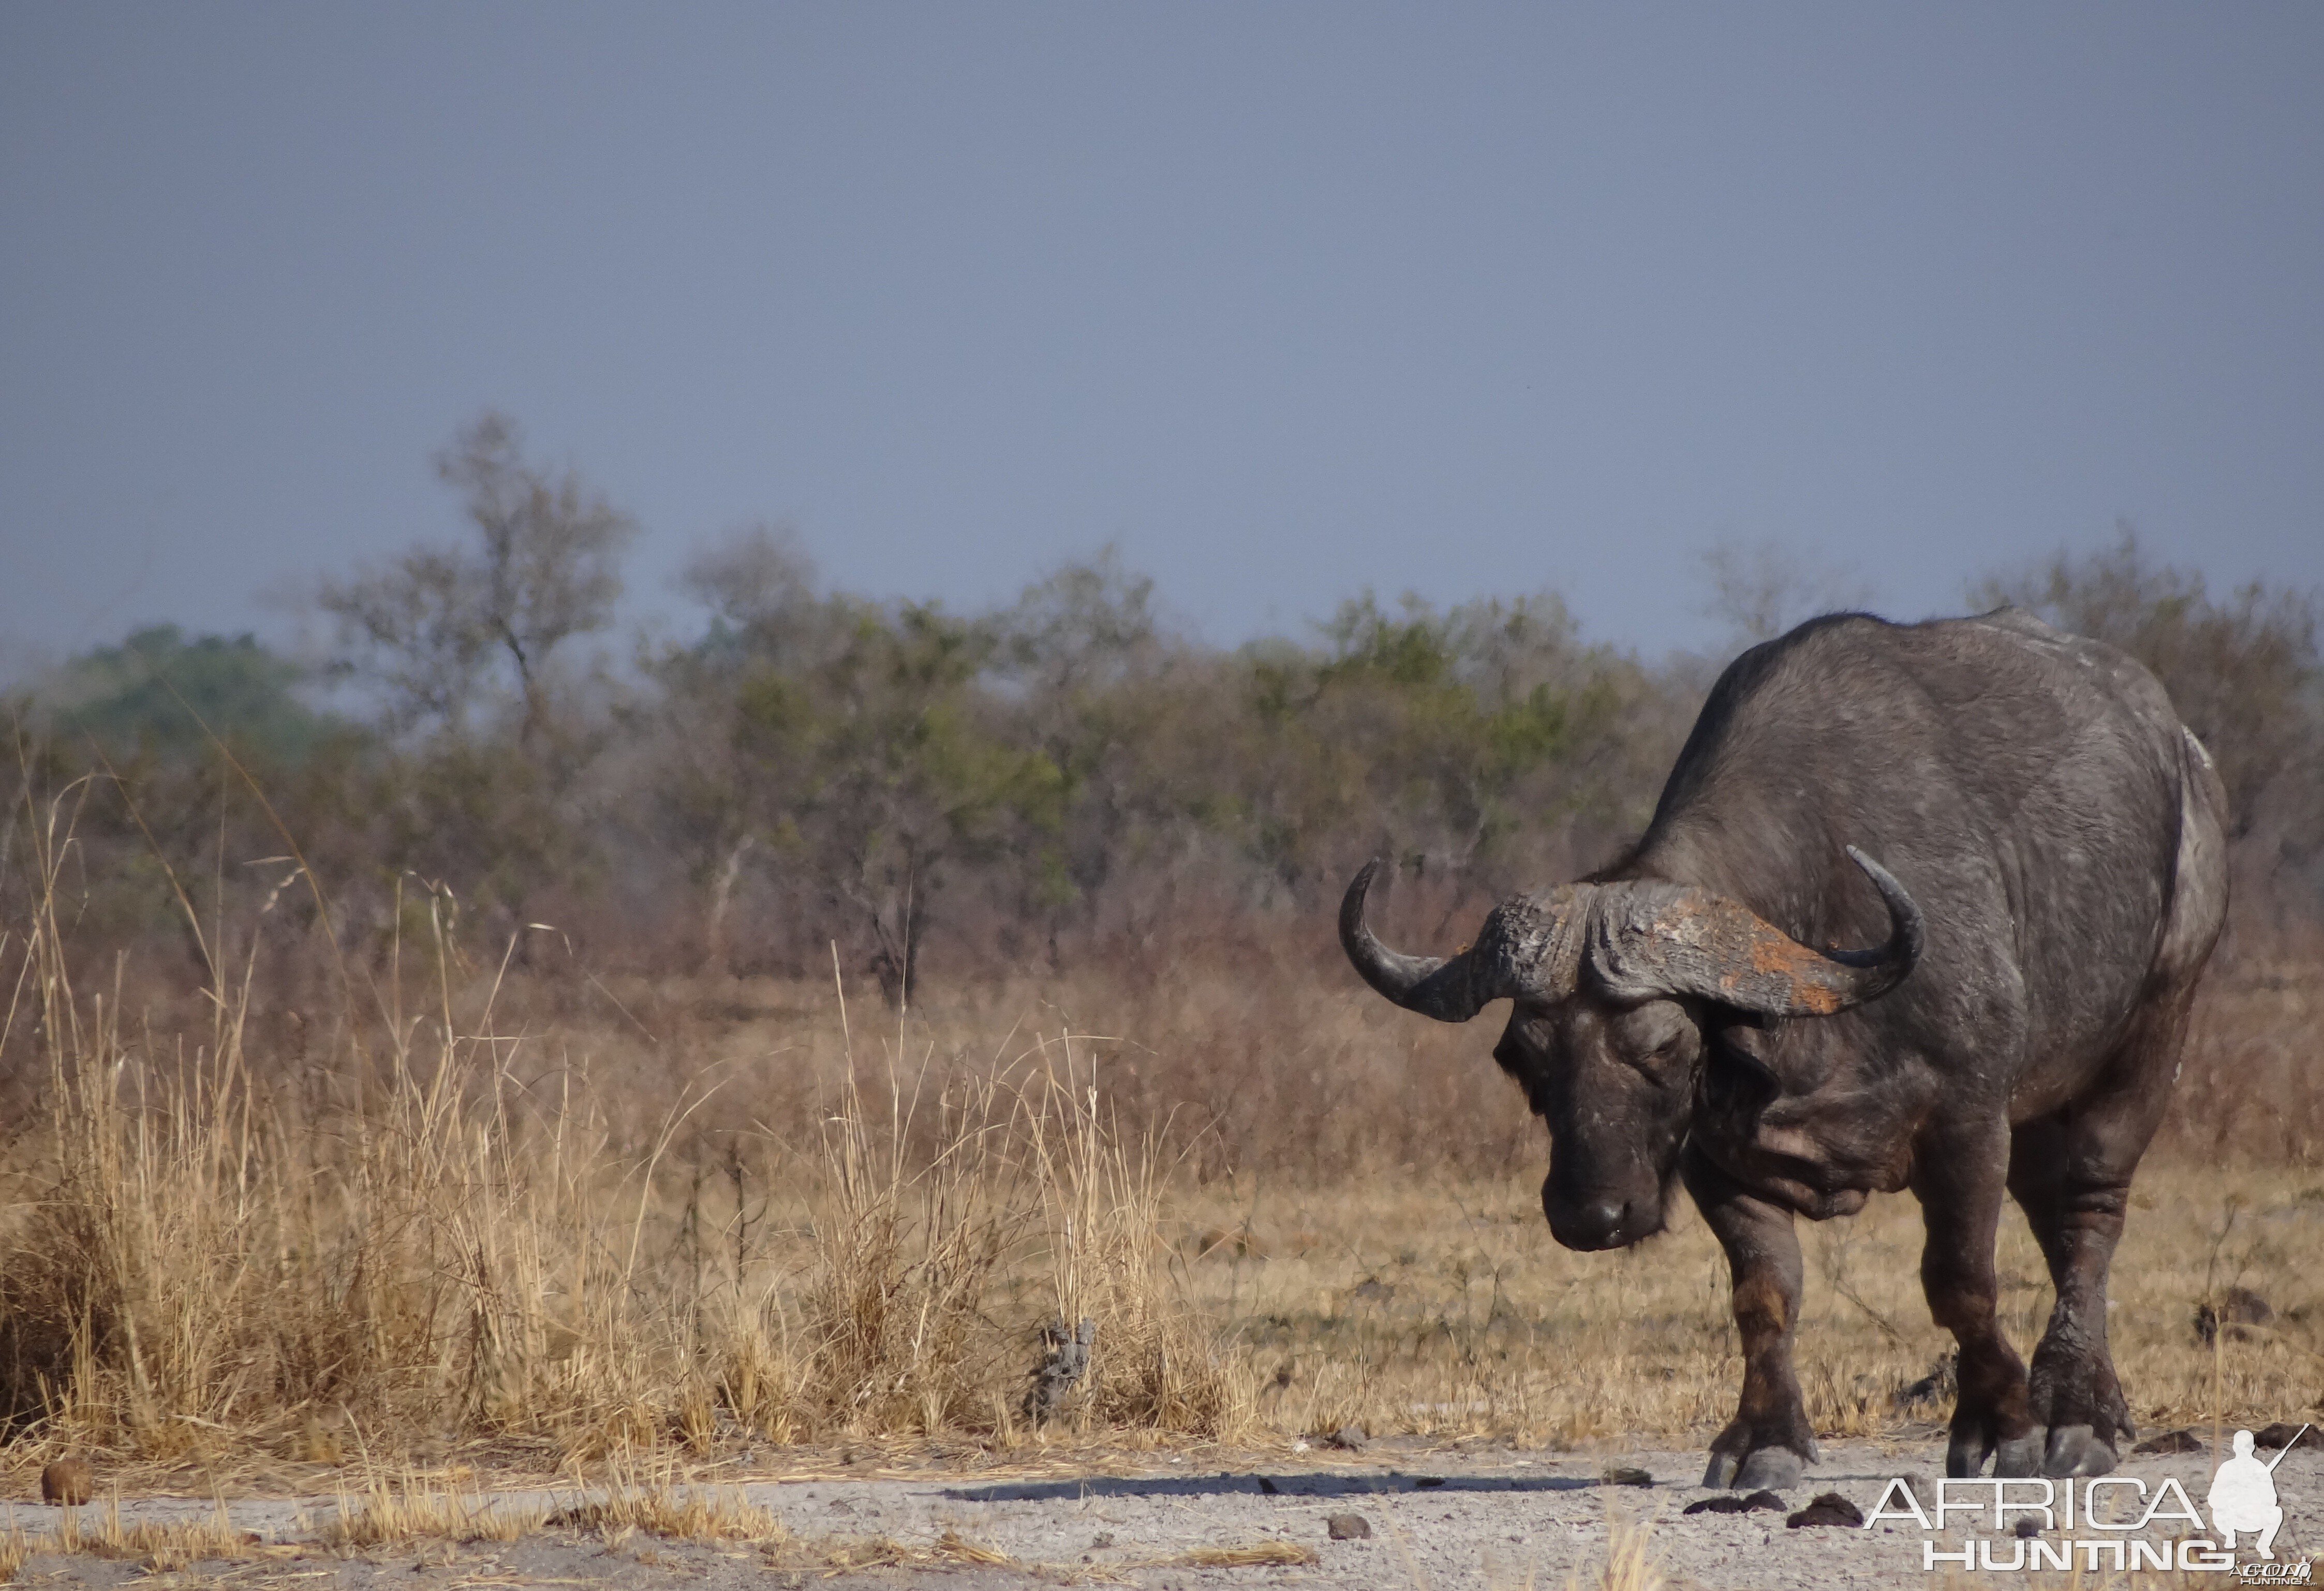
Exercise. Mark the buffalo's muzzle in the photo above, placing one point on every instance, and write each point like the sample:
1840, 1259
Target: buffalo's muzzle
1599, 1221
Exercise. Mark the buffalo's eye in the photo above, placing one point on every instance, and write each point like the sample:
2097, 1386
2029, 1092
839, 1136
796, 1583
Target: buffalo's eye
1654, 1029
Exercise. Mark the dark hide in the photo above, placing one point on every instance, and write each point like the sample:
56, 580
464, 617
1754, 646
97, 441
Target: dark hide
2060, 835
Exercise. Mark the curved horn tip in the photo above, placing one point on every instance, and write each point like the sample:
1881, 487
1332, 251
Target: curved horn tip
1904, 912
1352, 904
1428, 984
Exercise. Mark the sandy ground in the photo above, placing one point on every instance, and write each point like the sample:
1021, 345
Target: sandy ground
1483, 1518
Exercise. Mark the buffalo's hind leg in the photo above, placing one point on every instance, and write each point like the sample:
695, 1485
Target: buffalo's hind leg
2071, 1173
1958, 1181
1768, 1442
2073, 1200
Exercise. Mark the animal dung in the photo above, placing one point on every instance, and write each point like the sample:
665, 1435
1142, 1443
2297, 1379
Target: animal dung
1348, 1527
68, 1483
2172, 1441
1756, 1502
1829, 1508
1623, 1475
2285, 1434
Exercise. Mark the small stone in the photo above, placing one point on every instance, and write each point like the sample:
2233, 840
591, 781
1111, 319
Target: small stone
1352, 1438
1829, 1508
1623, 1475
1100, 1541
2026, 1527
68, 1483
2170, 1441
1348, 1527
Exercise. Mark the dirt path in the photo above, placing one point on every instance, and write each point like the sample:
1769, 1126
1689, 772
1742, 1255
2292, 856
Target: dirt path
1492, 1519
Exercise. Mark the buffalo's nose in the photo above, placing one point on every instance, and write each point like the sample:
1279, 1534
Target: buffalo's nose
1589, 1223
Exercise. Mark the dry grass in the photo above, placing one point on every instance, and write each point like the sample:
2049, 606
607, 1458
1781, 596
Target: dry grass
950, 1548
1443, 1308
158, 1546
1249, 1556
439, 1231
480, 1212
390, 1511
1631, 1562
666, 1506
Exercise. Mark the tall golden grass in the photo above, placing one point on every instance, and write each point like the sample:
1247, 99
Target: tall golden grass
435, 1232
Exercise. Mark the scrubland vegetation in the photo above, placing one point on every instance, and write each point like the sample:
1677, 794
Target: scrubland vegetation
787, 1033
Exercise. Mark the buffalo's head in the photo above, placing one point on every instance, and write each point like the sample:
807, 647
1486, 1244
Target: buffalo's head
1618, 989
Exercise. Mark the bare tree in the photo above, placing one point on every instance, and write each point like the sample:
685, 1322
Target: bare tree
758, 575
1762, 589
546, 566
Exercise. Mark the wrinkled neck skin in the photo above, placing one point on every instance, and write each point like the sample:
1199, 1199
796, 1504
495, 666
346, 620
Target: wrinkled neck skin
1783, 1110
1627, 1088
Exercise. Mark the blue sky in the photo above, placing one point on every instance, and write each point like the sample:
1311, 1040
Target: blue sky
1284, 300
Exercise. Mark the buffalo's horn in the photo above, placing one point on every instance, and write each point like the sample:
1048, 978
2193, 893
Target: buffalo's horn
1656, 939
1449, 991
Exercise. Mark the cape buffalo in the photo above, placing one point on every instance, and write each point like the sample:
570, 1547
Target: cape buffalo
2039, 869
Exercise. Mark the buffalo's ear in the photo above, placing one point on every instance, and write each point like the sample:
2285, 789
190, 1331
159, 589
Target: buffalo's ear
1770, 1055
1740, 1044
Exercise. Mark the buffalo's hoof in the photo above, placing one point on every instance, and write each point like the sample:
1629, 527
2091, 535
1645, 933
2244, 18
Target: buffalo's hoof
2076, 1450
1770, 1469
1764, 1469
2018, 1456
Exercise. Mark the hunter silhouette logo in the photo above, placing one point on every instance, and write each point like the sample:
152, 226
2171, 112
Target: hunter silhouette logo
2242, 1497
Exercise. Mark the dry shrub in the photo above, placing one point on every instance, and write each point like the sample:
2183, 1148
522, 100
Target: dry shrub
2249, 1087
1154, 1365
201, 1257
905, 1255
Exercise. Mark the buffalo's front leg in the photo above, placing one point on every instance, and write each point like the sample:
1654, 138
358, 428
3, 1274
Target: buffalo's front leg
1959, 1181
1769, 1441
